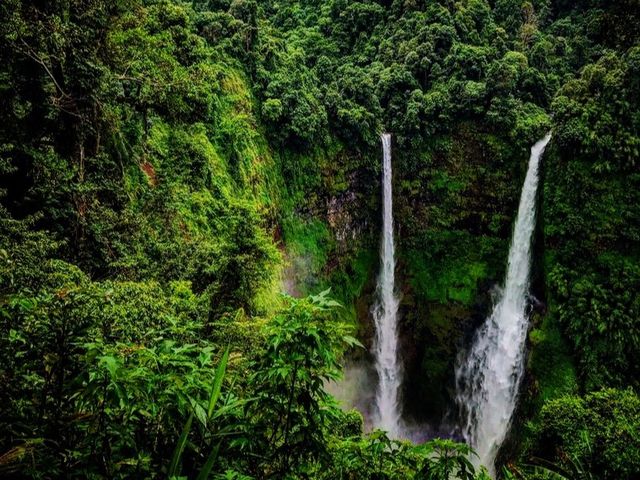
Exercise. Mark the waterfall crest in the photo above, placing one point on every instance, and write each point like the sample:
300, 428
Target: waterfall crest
488, 375
385, 313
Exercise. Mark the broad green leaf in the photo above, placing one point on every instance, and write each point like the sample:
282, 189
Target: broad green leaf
111, 363
208, 466
217, 382
177, 453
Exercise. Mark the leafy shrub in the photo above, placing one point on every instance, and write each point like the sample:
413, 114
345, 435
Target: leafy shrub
600, 431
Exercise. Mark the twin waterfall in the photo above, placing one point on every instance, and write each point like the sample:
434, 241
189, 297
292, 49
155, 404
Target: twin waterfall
488, 376
385, 313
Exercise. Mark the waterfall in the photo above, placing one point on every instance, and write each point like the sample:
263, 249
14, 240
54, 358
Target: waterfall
488, 376
385, 313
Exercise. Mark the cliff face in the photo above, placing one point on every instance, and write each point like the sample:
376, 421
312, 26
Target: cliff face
453, 209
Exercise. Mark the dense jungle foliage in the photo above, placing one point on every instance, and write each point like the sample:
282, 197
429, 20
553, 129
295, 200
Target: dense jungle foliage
168, 168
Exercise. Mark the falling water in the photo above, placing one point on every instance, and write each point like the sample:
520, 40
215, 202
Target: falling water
488, 375
385, 313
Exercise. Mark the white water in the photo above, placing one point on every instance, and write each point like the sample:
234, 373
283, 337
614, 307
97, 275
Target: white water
488, 376
385, 314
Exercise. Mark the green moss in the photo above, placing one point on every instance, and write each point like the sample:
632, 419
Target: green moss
448, 272
550, 362
309, 246
553, 372
349, 282
308, 243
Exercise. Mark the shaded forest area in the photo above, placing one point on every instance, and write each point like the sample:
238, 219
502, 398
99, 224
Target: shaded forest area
167, 168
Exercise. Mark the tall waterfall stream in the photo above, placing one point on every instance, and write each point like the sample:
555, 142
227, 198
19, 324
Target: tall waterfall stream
488, 375
385, 313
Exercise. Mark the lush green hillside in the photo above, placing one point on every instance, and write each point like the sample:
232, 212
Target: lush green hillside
168, 168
